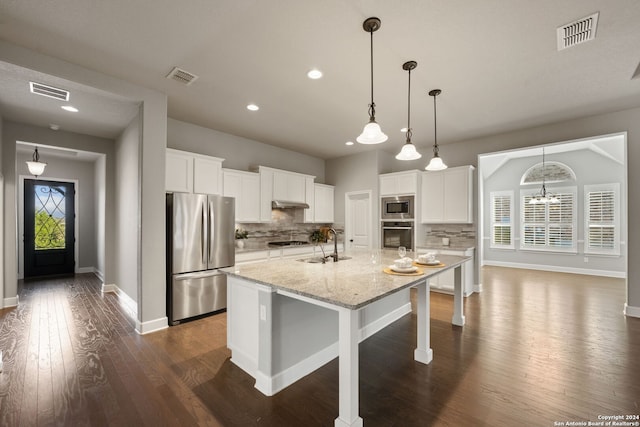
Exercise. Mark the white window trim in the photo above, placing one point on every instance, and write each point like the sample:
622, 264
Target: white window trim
492, 196
531, 191
615, 187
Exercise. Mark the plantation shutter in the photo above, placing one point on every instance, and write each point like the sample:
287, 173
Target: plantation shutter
501, 219
601, 220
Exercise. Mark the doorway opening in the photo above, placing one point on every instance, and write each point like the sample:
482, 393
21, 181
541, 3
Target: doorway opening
49, 228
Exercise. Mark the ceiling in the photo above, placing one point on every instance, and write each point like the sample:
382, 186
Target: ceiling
495, 61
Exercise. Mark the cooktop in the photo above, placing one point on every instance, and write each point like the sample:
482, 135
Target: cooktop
289, 243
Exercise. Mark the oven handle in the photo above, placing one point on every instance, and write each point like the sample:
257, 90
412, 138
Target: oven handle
397, 228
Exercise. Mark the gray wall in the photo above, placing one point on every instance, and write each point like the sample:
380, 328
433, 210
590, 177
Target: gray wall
240, 153
127, 208
13, 132
68, 169
99, 209
582, 162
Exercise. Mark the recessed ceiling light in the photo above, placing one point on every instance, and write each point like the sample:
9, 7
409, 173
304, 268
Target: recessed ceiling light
54, 126
253, 107
314, 74
69, 108
348, 143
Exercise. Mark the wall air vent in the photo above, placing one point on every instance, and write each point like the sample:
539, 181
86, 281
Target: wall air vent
49, 91
182, 76
577, 32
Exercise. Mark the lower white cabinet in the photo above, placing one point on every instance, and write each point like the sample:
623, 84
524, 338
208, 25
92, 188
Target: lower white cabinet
444, 282
245, 187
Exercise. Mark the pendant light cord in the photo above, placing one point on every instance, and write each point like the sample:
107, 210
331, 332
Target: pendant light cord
435, 127
409, 133
372, 106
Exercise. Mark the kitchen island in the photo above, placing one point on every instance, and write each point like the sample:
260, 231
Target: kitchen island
287, 318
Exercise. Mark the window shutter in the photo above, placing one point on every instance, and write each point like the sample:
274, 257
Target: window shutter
501, 219
601, 214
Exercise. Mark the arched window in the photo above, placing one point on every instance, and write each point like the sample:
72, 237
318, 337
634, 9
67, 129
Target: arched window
552, 172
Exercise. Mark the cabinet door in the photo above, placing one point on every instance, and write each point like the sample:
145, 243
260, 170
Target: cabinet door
406, 183
280, 186
179, 172
457, 204
432, 197
250, 198
388, 185
296, 188
324, 203
266, 194
207, 176
310, 194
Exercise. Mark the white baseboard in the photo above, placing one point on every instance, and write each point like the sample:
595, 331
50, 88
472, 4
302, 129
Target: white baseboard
631, 311
152, 325
384, 321
82, 270
109, 288
10, 302
477, 288
99, 274
558, 269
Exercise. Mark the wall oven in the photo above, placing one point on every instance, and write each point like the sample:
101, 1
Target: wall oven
397, 207
397, 233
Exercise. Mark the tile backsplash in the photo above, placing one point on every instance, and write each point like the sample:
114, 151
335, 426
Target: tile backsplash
457, 233
286, 224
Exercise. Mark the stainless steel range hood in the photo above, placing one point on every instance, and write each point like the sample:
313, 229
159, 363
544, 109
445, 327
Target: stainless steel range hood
284, 204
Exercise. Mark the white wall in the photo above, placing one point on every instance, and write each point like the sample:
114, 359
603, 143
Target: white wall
127, 205
240, 153
84, 172
99, 209
583, 163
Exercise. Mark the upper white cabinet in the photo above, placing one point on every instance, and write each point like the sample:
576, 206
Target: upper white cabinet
245, 187
192, 173
447, 196
289, 186
392, 184
323, 203
276, 184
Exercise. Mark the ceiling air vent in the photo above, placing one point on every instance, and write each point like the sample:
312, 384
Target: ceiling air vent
577, 32
182, 76
50, 91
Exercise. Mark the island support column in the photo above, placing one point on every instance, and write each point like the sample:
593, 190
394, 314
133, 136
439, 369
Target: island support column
424, 353
348, 339
458, 312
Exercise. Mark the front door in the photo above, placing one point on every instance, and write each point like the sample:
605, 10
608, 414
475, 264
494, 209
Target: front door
49, 235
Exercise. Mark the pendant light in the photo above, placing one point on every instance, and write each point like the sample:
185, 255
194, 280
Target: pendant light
36, 167
436, 163
372, 134
408, 151
543, 196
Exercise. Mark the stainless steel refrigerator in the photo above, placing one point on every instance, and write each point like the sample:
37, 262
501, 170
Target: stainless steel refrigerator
200, 240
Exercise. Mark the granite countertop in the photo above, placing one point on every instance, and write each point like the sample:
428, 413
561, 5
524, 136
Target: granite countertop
351, 283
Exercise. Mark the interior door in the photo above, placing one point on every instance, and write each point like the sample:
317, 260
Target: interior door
359, 233
49, 232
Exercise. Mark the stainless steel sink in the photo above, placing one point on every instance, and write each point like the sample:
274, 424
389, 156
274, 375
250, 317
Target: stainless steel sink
320, 260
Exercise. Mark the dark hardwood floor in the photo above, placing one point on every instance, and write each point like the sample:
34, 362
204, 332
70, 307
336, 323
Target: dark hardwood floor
537, 348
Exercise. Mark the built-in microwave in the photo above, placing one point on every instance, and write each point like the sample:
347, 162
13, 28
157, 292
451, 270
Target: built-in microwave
397, 207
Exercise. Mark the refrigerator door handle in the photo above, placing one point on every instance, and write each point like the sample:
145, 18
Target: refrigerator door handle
211, 234
197, 275
205, 232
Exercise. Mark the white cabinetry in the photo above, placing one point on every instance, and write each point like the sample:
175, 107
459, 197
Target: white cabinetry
323, 203
447, 196
245, 187
192, 173
392, 184
289, 186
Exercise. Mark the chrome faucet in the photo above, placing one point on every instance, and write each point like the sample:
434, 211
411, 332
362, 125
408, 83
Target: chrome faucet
335, 245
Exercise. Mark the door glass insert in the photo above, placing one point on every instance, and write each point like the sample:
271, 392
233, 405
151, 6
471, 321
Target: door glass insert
49, 226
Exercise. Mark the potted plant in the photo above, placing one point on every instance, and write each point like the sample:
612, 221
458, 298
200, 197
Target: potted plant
317, 237
240, 236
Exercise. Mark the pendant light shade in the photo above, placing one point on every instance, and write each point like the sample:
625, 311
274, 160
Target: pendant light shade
372, 133
436, 163
36, 167
409, 151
